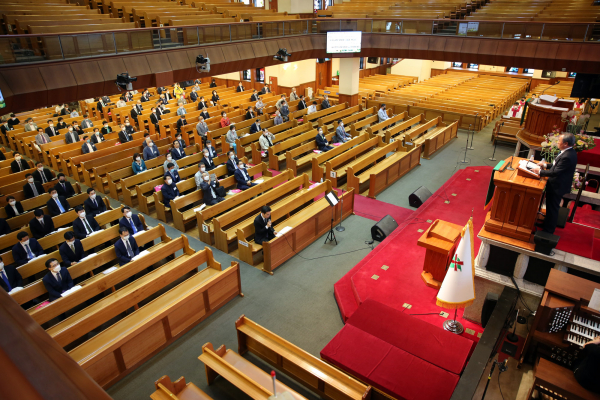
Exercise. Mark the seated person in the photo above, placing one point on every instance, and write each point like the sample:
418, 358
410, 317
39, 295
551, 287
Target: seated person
325, 103
383, 115
169, 190
71, 251
97, 136
130, 221
224, 120
26, 249
340, 134
57, 280
207, 160
10, 278
231, 137
255, 127
170, 160
266, 140
198, 175
13, 207
278, 120
57, 204
177, 152
84, 225
172, 172
244, 181
138, 165
64, 187
301, 103
126, 247
211, 150
259, 106
4, 227
209, 190
150, 152
181, 142
322, 143
181, 122
202, 129
18, 164
41, 224
42, 174
284, 111
263, 230
312, 108
93, 204
232, 162
32, 188
87, 146
250, 114
124, 136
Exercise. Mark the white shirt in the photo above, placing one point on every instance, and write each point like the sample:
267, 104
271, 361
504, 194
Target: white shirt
559, 154
15, 208
56, 274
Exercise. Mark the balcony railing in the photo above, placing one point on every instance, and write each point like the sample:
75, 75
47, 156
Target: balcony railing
35, 48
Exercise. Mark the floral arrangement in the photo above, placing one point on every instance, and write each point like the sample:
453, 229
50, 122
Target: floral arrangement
576, 124
550, 145
578, 181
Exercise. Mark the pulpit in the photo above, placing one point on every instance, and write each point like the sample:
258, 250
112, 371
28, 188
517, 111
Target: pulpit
440, 240
515, 203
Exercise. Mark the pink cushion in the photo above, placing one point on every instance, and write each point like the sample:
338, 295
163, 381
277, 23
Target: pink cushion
428, 342
388, 368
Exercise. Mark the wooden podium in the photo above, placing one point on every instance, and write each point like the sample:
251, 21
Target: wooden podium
516, 202
440, 240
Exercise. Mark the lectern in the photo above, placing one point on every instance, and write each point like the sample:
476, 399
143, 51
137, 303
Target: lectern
515, 203
440, 240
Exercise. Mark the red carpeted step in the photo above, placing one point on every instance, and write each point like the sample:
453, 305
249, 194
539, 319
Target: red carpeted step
375, 210
576, 239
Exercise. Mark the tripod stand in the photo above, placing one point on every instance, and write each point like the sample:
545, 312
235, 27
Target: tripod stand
331, 235
332, 199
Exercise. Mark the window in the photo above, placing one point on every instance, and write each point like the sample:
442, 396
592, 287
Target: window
260, 75
572, 74
528, 71
246, 75
259, 3
513, 69
362, 63
473, 66
381, 60
457, 65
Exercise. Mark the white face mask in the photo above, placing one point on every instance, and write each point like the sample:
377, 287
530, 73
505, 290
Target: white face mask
54, 195
70, 129
82, 215
150, 144
126, 123
202, 169
30, 180
126, 237
138, 159
41, 219
241, 166
205, 155
56, 269
128, 214
40, 168
169, 158
50, 125
169, 181
26, 243
93, 197
97, 133
18, 158
206, 178
231, 157
12, 202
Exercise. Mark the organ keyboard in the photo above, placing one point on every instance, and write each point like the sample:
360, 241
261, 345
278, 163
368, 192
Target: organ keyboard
583, 327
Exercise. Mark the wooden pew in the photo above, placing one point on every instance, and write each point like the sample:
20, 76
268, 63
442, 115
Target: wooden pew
302, 146
335, 168
318, 161
437, 138
178, 390
319, 376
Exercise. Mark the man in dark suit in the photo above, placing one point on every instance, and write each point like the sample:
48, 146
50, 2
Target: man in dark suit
177, 152
180, 140
93, 204
243, 179
41, 224
145, 96
124, 136
97, 137
240, 88
322, 143
51, 130
232, 162
560, 178
61, 124
18, 164
301, 103
106, 129
26, 249
100, 105
32, 188
71, 136
211, 150
250, 113
193, 96
57, 204
10, 278
64, 187
207, 160
57, 281
4, 227
263, 231
172, 172
265, 89
130, 221
42, 174
254, 96
128, 127
202, 104
325, 103
134, 113
255, 127
204, 114
181, 122
71, 251
154, 117
169, 190
84, 225
13, 207
87, 146
126, 247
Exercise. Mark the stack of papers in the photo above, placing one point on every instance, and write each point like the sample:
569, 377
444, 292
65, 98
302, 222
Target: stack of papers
199, 208
71, 291
142, 254
283, 231
109, 270
259, 181
15, 290
61, 229
89, 256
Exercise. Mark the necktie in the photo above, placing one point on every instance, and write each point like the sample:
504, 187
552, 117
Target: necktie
64, 188
60, 207
132, 226
245, 176
269, 140
128, 247
5, 279
29, 253
42, 223
35, 192
20, 166
43, 176
44, 138
212, 192
88, 228
72, 247
95, 204
58, 277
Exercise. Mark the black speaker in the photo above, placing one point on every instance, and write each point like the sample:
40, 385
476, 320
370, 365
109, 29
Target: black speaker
372, 60
563, 215
419, 196
491, 299
545, 242
383, 228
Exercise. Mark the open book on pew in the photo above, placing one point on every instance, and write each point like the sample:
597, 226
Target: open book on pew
71, 291
109, 270
15, 290
88, 257
259, 181
283, 231
142, 254
199, 208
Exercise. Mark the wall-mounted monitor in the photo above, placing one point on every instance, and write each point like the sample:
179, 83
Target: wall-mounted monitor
344, 42
2, 102
586, 85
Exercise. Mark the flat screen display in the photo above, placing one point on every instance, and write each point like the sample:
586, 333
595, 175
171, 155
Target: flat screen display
586, 85
344, 42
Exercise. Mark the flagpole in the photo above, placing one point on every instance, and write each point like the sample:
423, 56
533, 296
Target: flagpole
453, 325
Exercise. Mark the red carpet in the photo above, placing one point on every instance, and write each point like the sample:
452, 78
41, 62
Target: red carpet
576, 239
591, 157
401, 282
375, 209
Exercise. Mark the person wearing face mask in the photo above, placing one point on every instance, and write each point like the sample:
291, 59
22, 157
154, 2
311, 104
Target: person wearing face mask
135, 113
170, 160
259, 106
172, 172
77, 129
325, 103
178, 138
121, 102
266, 140
13, 120
213, 84
231, 137
71, 251
207, 160
97, 136
177, 152
42, 137
150, 152
74, 113
263, 229
312, 108
169, 190
224, 120
340, 134
204, 113
93, 205
202, 104
138, 165
88, 146
124, 136
193, 95
254, 96
294, 96
240, 88
301, 103
128, 127
64, 187
130, 221
41, 224
278, 120
18, 164
84, 225
51, 130
5, 127
265, 90
250, 113
211, 150
61, 124
32, 188
57, 204
106, 129
30, 126
202, 129
198, 175
57, 281
42, 174
255, 127
100, 105
232, 162
10, 278
322, 143
209, 190
215, 97
280, 101
285, 111
26, 249
243, 179
181, 110
181, 122
13, 207
71, 136
87, 122
154, 117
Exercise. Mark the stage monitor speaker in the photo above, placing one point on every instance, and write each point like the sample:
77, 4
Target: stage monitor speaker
383, 228
419, 196
545, 242
491, 299
563, 215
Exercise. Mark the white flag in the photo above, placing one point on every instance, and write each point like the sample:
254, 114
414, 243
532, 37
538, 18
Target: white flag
458, 287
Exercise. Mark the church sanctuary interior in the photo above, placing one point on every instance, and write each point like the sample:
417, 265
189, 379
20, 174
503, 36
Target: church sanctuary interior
308, 199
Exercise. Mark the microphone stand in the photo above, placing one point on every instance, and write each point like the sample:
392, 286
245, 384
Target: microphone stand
501, 368
340, 228
472, 134
466, 147
492, 158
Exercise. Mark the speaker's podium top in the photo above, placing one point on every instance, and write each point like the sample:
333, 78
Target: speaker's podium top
505, 177
440, 237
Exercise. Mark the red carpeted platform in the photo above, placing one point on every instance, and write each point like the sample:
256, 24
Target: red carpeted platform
591, 157
401, 282
399, 354
375, 210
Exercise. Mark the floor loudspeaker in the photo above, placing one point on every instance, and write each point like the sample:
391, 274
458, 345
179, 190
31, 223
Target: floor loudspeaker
383, 228
419, 196
488, 308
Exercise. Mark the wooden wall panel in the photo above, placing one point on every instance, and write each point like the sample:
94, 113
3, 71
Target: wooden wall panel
90, 81
436, 48
505, 54
215, 54
487, 51
182, 69
419, 46
27, 85
400, 43
138, 67
319, 42
230, 53
57, 78
159, 62
469, 50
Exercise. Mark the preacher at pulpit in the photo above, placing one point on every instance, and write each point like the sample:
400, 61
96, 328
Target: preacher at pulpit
560, 178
